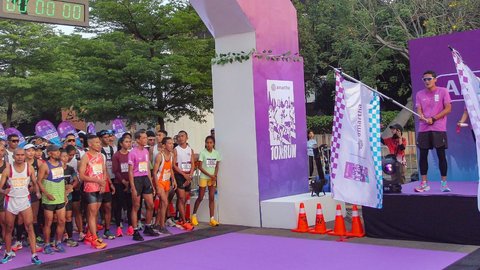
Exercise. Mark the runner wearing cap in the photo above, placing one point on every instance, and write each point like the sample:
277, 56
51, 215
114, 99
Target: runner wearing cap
107, 151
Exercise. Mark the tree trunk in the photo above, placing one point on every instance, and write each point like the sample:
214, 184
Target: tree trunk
9, 113
161, 122
401, 118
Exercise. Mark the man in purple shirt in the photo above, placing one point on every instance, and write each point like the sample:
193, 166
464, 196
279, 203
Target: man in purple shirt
433, 105
141, 183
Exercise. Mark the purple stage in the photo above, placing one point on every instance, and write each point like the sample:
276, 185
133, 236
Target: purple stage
248, 251
434, 216
23, 256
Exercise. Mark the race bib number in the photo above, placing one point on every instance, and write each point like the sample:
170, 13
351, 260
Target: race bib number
166, 175
109, 164
97, 169
211, 162
19, 182
143, 166
185, 166
437, 98
124, 167
57, 173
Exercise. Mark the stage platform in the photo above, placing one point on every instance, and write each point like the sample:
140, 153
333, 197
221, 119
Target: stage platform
432, 216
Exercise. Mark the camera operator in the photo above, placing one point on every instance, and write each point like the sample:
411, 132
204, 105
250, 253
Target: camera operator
396, 146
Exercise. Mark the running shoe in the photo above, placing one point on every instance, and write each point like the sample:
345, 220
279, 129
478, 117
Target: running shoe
194, 220
8, 257
36, 260
150, 232
137, 236
108, 235
81, 237
187, 226
444, 187
17, 246
98, 244
99, 227
119, 232
423, 187
59, 248
164, 230
72, 243
170, 222
38, 248
47, 249
130, 231
88, 238
213, 222
39, 240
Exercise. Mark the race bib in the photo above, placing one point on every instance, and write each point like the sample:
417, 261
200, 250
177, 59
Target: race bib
97, 169
185, 166
109, 164
143, 166
166, 175
57, 173
437, 98
19, 182
124, 167
211, 162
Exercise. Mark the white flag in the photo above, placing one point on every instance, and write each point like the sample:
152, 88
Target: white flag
356, 148
470, 90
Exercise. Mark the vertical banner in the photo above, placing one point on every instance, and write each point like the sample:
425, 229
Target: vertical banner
356, 157
91, 128
470, 85
2, 133
118, 127
9, 131
47, 130
65, 128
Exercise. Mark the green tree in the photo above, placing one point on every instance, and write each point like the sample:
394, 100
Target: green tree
151, 64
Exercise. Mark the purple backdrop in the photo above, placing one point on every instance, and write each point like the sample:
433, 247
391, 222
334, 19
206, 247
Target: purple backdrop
433, 53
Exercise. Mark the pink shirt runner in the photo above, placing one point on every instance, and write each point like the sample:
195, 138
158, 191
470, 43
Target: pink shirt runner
432, 103
139, 159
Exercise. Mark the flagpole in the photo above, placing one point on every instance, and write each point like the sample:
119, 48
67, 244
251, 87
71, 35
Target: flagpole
375, 91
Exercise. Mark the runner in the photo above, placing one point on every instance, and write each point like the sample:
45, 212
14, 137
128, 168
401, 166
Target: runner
141, 184
71, 182
107, 151
93, 173
52, 185
3, 165
183, 158
73, 154
210, 163
122, 199
12, 143
18, 177
163, 169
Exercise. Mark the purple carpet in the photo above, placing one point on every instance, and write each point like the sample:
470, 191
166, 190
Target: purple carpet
247, 251
466, 189
23, 256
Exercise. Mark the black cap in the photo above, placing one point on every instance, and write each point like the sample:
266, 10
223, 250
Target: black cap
103, 132
397, 126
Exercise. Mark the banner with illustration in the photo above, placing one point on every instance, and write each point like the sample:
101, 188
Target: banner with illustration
47, 130
119, 127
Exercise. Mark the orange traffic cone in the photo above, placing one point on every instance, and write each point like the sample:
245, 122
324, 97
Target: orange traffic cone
171, 209
187, 207
339, 229
302, 226
357, 227
320, 226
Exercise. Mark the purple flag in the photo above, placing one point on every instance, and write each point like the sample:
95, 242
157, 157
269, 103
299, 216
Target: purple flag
91, 128
9, 131
118, 127
47, 130
2, 133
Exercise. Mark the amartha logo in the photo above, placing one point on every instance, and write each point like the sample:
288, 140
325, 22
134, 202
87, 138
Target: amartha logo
281, 116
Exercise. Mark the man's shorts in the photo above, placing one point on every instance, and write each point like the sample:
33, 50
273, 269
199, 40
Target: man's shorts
33, 197
165, 185
107, 197
2, 202
432, 139
16, 205
203, 182
92, 197
53, 207
76, 196
142, 185
180, 181
69, 206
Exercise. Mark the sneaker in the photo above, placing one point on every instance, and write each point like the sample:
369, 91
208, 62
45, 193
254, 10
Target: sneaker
194, 220
179, 225
36, 260
59, 248
108, 235
130, 231
423, 187
164, 230
39, 240
213, 222
444, 187
17, 246
170, 223
187, 226
150, 232
119, 232
8, 257
98, 244
88, 238
72, 243
47, 249
81, 237
99, 227
137, 236
38, 248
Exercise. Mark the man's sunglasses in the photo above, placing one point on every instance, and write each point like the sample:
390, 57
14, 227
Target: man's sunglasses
70, 140
427, 79
15, 141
